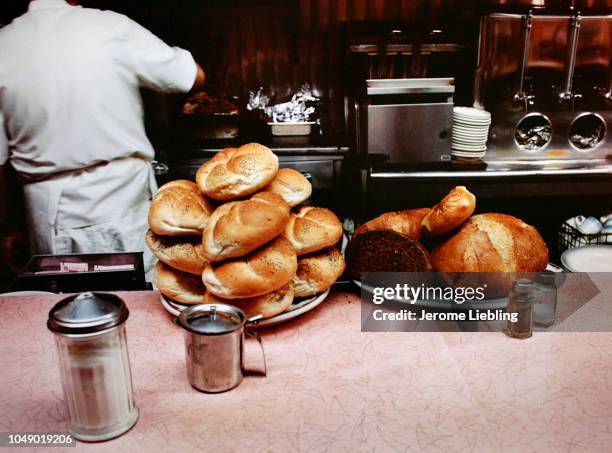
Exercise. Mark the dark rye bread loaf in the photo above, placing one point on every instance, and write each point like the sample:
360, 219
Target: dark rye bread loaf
385, 251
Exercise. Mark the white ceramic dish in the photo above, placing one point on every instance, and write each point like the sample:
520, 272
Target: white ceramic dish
469, 142
27, 294
468, 155
473, 124
297, 309
469, 134
589, 258
471, 112
468, 149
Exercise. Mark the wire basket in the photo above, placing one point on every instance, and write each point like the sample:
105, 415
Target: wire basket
569, 237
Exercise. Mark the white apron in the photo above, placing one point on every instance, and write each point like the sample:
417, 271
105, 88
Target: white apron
100, 209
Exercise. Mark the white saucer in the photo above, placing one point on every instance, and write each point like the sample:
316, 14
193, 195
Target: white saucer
589, 258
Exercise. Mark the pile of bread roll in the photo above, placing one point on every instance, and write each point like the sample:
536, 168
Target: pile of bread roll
459, 242
240, 235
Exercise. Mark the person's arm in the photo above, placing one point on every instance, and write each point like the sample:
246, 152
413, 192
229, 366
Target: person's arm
155, 64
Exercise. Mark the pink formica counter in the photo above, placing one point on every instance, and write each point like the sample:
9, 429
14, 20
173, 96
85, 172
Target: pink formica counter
333, 388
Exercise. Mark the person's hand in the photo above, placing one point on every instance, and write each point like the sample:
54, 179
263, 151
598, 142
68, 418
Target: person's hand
200, 80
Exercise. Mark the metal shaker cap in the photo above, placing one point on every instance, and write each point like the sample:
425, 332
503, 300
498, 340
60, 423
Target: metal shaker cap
87, 313
546, 278
522, 286
212, 319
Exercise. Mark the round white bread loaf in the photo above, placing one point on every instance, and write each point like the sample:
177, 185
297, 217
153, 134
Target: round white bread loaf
311, 229
179, 209
268, 305
265, 270
239, 227
179, 286
492, 243
185, 253
291, 185
317, 273
452, 212
237, 172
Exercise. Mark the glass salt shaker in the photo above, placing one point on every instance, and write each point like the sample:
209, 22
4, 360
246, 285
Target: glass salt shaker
520, 303
545, 303
95, 371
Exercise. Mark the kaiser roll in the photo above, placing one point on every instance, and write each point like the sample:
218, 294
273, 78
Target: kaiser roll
265, 270
492, 243
239, 227
237, 172
318, 272
452, 212
179, 209
311, 229
407, 223
185, 254
385, 251
268, 305
291, 185
179, 286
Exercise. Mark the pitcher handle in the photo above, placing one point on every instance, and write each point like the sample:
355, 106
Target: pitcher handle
255, 336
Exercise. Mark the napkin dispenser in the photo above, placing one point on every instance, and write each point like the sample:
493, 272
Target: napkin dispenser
407, 121
82, 272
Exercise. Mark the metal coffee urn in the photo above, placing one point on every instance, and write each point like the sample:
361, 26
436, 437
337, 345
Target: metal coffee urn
544, 73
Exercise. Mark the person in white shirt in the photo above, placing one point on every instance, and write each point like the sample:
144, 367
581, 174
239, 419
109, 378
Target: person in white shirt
73, 117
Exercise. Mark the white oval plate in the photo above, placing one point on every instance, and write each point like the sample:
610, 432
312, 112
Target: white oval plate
589, 258
295, 310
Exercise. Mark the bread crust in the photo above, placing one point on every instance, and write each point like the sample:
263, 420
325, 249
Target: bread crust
179, 286
239, 227
311, 229
291, 185
492, 243
263, 271
452, 212
268, 305
184, 254
318, 272
237, 172
179, 209
407, 223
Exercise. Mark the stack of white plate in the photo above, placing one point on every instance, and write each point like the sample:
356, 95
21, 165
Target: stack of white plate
470, 132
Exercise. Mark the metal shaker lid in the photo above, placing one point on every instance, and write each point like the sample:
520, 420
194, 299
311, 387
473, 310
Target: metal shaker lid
546, 278
522, 287
87, 313
212, 319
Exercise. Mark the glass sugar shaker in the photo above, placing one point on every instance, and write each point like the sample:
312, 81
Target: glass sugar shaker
545, 294
520, 304
95, 371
